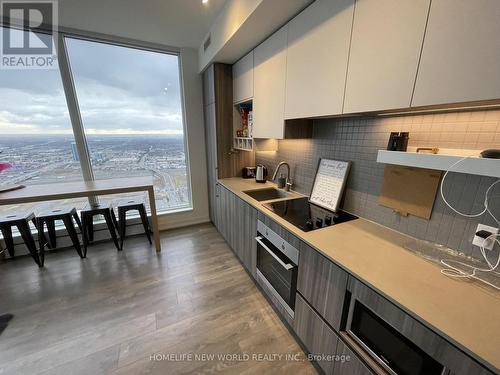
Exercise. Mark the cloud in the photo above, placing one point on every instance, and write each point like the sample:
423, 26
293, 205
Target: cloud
120, 91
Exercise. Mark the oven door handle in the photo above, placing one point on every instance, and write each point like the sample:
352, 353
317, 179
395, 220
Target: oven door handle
287, 266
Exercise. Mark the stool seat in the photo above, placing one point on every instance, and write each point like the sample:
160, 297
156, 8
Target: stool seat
21, 222
48, 218
88, 214
57, 212
27, 216
123, 208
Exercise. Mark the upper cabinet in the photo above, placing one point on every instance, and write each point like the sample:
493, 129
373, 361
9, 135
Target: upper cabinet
386, 42
318, 50
243, 79
269, 86
461, 53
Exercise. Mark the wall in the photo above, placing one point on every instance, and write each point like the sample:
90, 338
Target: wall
359, 139
193, 116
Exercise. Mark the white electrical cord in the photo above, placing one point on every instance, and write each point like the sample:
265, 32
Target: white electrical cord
453, 271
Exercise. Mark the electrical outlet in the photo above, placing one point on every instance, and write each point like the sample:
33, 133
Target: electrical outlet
478, 241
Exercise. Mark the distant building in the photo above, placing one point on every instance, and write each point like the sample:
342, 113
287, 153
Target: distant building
74, 152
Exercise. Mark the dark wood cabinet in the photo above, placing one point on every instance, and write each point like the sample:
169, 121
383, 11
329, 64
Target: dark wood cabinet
238, 226
323, 284
318, 338
246, 231
322, 287
222, 160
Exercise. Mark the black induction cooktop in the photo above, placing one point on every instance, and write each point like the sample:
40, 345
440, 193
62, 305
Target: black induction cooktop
307, 216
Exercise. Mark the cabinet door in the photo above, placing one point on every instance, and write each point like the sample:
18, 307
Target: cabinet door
225, 213
317, 337
269, 86
461, 54
386, 42
246, 219
351, 366
243, 79
323, 284
316, 66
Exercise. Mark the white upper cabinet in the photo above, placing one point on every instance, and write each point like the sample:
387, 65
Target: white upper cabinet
269, 86
318, 50
461, 54
386, 42
243, 79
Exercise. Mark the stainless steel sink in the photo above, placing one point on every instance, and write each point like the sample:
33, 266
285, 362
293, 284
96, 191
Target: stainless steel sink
267, 194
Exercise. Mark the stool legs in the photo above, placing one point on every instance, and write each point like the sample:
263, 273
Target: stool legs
51, 228
70, 228
87, 227
122, 217
111, 228
41, 241
78, 222
145, 223
25, 231
7, 237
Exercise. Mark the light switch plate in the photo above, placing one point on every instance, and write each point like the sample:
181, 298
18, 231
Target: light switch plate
478, 241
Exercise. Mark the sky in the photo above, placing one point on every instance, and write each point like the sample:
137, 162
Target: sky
120, 91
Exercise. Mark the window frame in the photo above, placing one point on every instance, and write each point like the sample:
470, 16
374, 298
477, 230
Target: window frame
64, 67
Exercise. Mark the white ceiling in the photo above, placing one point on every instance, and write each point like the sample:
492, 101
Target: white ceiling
176, 23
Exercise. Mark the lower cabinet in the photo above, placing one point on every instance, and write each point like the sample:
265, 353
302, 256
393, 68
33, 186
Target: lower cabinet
323, 284
316, 336
237, 222
245, 244
322, 287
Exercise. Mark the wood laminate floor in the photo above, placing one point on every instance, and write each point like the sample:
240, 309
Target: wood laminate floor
136, 312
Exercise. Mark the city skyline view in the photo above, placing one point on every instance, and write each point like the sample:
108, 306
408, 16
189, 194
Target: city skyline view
130, 106
38, 159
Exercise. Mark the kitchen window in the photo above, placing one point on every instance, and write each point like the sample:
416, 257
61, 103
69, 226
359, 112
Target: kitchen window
130, 104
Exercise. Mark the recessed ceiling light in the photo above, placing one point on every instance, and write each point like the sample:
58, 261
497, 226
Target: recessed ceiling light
204, 1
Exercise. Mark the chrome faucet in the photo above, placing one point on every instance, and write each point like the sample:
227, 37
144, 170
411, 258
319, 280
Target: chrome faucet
288, 182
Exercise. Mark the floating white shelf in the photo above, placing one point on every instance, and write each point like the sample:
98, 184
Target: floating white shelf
243, 143
474, 165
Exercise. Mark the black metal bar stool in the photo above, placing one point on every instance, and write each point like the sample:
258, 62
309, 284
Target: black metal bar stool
21, 221
48, 219
122, 218
87, 215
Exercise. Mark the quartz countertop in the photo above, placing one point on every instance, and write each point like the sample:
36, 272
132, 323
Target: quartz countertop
463, 312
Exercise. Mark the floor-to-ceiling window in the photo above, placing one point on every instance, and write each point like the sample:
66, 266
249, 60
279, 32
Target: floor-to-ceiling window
36, 136
130, 103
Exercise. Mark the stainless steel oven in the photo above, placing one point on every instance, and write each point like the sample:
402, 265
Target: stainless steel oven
277, 266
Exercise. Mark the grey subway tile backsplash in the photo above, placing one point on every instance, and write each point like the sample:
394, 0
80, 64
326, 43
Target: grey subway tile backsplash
359, 139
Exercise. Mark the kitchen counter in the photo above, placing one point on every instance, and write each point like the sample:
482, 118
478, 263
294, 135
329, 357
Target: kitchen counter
463, 312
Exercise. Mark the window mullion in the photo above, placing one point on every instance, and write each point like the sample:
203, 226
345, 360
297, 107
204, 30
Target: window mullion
74, 111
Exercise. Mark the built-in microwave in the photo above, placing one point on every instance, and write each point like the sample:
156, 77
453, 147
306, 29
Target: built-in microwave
277, 266
394, 352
